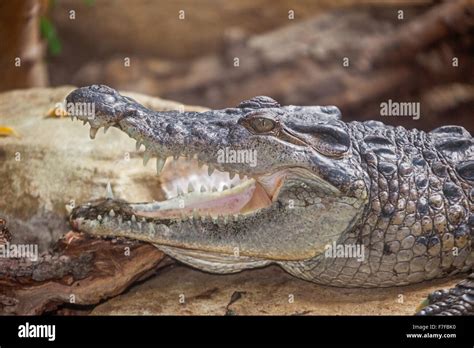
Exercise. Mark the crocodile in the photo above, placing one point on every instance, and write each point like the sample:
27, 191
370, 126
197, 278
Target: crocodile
345, 204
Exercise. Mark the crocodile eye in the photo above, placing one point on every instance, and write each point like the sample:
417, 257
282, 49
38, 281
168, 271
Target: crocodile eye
262, 125
259, 122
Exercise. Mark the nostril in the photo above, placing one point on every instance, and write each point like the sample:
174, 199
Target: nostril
331, 110
102, 89
109, 99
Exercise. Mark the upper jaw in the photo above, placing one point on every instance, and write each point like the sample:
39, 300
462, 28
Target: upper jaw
211, 138
214, 139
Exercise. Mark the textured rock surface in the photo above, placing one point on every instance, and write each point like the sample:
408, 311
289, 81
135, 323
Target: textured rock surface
265, 291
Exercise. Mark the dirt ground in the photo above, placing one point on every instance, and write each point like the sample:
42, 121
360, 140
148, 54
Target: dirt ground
180, 290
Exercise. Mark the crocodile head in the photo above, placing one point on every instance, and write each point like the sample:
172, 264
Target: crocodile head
288, 180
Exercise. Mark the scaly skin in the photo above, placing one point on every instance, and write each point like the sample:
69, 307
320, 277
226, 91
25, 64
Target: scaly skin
405, 196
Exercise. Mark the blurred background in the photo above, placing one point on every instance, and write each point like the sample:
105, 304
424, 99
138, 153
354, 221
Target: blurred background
353, 54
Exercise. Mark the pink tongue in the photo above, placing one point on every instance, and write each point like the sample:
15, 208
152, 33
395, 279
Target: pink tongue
226, 205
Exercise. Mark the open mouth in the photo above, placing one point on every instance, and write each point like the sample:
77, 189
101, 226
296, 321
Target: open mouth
196, 190
200, 192
209, 188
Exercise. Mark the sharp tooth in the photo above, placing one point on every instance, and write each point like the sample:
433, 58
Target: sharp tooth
214, 220
179, 190
203, 188
231, 175
109, 194
160, 163
210, 170
68, 208
214, 189
138, 145
151, 227
190, 187
176, 156
106, 128
236, 217
111, 213
129, 223
221, 220
139, 224
93, 132
99, 217
146, 157
134, 218
119, 218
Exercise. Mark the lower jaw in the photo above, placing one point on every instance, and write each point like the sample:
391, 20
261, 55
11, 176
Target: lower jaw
214, 196
242, 199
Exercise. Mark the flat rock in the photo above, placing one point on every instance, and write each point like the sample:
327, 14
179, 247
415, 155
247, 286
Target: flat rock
179, 290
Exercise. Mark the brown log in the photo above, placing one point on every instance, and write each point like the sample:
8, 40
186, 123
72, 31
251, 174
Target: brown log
80, 271
442, 21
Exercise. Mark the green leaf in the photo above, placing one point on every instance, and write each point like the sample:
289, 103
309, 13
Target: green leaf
48, 32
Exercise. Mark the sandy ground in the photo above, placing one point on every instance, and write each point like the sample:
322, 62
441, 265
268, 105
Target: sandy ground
179, 290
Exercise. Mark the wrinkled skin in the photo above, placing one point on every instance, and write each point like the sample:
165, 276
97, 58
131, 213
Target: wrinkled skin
403, 196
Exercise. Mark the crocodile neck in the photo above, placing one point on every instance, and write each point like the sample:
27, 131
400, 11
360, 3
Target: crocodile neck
416, 224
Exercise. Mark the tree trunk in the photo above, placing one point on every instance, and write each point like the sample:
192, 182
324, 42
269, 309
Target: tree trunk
21, 61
